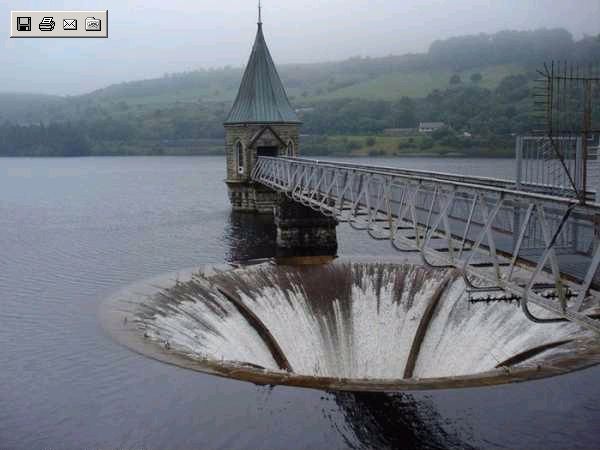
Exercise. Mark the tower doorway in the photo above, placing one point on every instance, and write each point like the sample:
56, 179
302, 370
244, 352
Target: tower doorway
267, 151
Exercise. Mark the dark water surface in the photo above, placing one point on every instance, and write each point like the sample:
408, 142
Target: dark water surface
74, 231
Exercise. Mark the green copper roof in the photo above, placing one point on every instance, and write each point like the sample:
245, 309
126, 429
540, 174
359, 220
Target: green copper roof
261, 98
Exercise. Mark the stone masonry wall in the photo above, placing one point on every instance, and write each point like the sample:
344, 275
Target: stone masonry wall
244, 133
245, 195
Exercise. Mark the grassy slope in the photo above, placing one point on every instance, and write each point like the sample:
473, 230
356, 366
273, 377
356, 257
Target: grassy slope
306, 84
404, 145
419, 83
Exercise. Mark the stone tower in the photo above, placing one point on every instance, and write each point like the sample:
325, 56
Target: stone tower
260, 123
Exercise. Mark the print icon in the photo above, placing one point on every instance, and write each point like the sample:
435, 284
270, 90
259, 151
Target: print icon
47, 24
93, 24
23, 23
69, 24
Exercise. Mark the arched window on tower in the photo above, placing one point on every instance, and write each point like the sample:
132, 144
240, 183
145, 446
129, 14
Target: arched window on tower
239, 157
290, 148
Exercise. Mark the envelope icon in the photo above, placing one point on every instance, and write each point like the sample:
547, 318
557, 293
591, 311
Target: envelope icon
69, 24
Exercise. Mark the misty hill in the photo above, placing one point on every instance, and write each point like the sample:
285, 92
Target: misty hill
476, 83
495, 56
26, 108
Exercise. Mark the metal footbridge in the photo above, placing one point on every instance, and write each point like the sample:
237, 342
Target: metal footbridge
510, 241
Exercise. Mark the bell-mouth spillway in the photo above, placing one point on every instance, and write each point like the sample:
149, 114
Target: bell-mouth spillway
357, 325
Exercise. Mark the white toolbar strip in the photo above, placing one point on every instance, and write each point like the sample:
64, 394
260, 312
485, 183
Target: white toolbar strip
59, 24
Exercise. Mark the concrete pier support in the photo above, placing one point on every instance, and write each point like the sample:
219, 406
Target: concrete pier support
302, 231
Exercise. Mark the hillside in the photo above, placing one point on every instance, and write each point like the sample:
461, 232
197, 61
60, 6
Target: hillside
29, 108
495, 56
479, 84
307, 85
419, 83
326, 83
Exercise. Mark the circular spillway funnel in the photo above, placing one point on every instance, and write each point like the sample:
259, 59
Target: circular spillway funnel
345, 325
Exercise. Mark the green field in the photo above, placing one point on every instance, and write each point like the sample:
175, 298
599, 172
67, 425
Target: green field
419, 83
386, 146
414, 84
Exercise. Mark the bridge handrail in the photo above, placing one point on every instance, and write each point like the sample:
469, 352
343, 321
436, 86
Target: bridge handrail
491, 181
442, 175
418, 175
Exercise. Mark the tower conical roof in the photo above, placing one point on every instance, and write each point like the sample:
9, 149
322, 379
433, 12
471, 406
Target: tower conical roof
261, 98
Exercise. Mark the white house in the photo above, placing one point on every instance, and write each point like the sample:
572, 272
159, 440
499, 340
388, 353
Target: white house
430, 127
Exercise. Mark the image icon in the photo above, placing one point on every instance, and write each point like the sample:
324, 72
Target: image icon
23, 23
92, 24
47, 24
69, 24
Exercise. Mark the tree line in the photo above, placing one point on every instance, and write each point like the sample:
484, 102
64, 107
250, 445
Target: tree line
464, 107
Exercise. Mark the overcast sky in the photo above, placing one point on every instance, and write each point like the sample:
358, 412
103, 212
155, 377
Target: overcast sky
148, 38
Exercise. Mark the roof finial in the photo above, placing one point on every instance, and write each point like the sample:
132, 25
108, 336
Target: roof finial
259, 13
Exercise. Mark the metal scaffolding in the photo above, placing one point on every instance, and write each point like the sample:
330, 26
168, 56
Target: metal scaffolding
567, 105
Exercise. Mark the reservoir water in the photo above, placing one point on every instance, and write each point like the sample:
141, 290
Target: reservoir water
74, 231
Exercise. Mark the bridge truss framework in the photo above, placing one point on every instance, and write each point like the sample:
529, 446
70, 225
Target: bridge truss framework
542, 249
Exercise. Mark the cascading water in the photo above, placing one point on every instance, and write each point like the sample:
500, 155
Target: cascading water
351, 321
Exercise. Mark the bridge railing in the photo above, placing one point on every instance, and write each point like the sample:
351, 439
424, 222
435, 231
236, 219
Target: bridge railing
541, 248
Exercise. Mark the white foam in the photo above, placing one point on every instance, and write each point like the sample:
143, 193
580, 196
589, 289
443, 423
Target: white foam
366, 334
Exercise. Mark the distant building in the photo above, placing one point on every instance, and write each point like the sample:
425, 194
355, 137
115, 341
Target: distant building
398, 131
304, 110
430, 127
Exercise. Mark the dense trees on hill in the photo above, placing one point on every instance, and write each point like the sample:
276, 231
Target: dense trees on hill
476, 77
455, 79
464, 107
56, 139
520, 47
